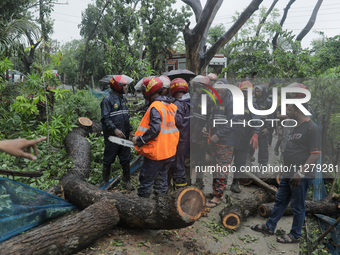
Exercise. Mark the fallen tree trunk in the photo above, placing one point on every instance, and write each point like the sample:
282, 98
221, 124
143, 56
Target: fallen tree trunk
176, 210
249, 176
66, 236
269, 178
232, 216
325, 207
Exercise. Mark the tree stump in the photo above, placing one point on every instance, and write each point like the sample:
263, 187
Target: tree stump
66, 236
232, 216
79, 148
176, 210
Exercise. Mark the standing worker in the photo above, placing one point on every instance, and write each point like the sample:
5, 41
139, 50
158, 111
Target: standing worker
156, 138
262, 102
221, 143
116, 122
245, 135
300, 155
198, 148
179, 91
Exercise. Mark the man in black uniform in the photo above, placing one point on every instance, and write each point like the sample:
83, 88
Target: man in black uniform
301, 154
116, 122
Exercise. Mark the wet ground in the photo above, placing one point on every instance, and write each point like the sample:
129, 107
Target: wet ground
206, 236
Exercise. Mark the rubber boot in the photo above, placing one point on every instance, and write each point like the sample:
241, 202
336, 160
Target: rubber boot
126, 177
106, 174
178, 186
235, 186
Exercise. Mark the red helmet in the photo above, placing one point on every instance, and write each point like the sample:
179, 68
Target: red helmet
117, 82
177, 85
146, 80
212, 76
153, 86
245, 84
200, 80
298, 85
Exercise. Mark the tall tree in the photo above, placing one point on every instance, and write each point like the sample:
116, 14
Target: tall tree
89, 37
196, 57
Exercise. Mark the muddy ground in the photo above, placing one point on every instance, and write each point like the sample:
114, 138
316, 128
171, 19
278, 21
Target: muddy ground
206, 236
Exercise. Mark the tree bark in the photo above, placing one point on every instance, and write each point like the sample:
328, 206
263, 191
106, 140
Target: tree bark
195, 6
66, 236
269, 178
87, 42
283, 19
326, 207
210, 21
260, 183
193, 37
20, 173
176, 210
245, 15
196, 60
310, 23
265, 17
79, 150
232, 216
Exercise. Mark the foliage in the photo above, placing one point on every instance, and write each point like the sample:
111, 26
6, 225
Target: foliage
14, 34
161, 25
81, 103
327, 55
256, 56
59, 127
119, 60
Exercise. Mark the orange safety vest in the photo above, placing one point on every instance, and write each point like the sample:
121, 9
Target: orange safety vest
165, 144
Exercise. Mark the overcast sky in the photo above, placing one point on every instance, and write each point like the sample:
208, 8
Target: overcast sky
68, 16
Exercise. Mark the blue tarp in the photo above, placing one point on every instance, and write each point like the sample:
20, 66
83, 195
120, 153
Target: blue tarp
23, 207
100, 94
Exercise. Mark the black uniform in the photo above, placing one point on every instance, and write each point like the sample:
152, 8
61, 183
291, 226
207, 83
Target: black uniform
115, 114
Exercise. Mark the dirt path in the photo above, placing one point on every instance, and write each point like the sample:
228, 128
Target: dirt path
206, 236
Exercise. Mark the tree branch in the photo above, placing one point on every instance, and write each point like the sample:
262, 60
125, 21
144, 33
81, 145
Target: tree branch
211, 19
202, 23
265, 17
283, 19
195, 6
310, 23
252, 7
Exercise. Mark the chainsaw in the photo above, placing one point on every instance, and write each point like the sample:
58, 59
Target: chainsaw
120, 141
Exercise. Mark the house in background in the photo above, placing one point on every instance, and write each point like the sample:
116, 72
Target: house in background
178, 61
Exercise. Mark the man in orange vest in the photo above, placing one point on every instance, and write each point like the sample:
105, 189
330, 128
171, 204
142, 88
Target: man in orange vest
156, 138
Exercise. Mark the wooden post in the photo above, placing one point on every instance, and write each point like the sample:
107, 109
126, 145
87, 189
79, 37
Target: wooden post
92, 82
64, 78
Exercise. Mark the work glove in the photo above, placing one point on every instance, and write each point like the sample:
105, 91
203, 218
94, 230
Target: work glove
255, 141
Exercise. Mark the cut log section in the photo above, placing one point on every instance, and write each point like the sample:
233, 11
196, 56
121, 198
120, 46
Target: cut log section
176, 210
82, 121
233, 215
66, 236
325, 207
245, 181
